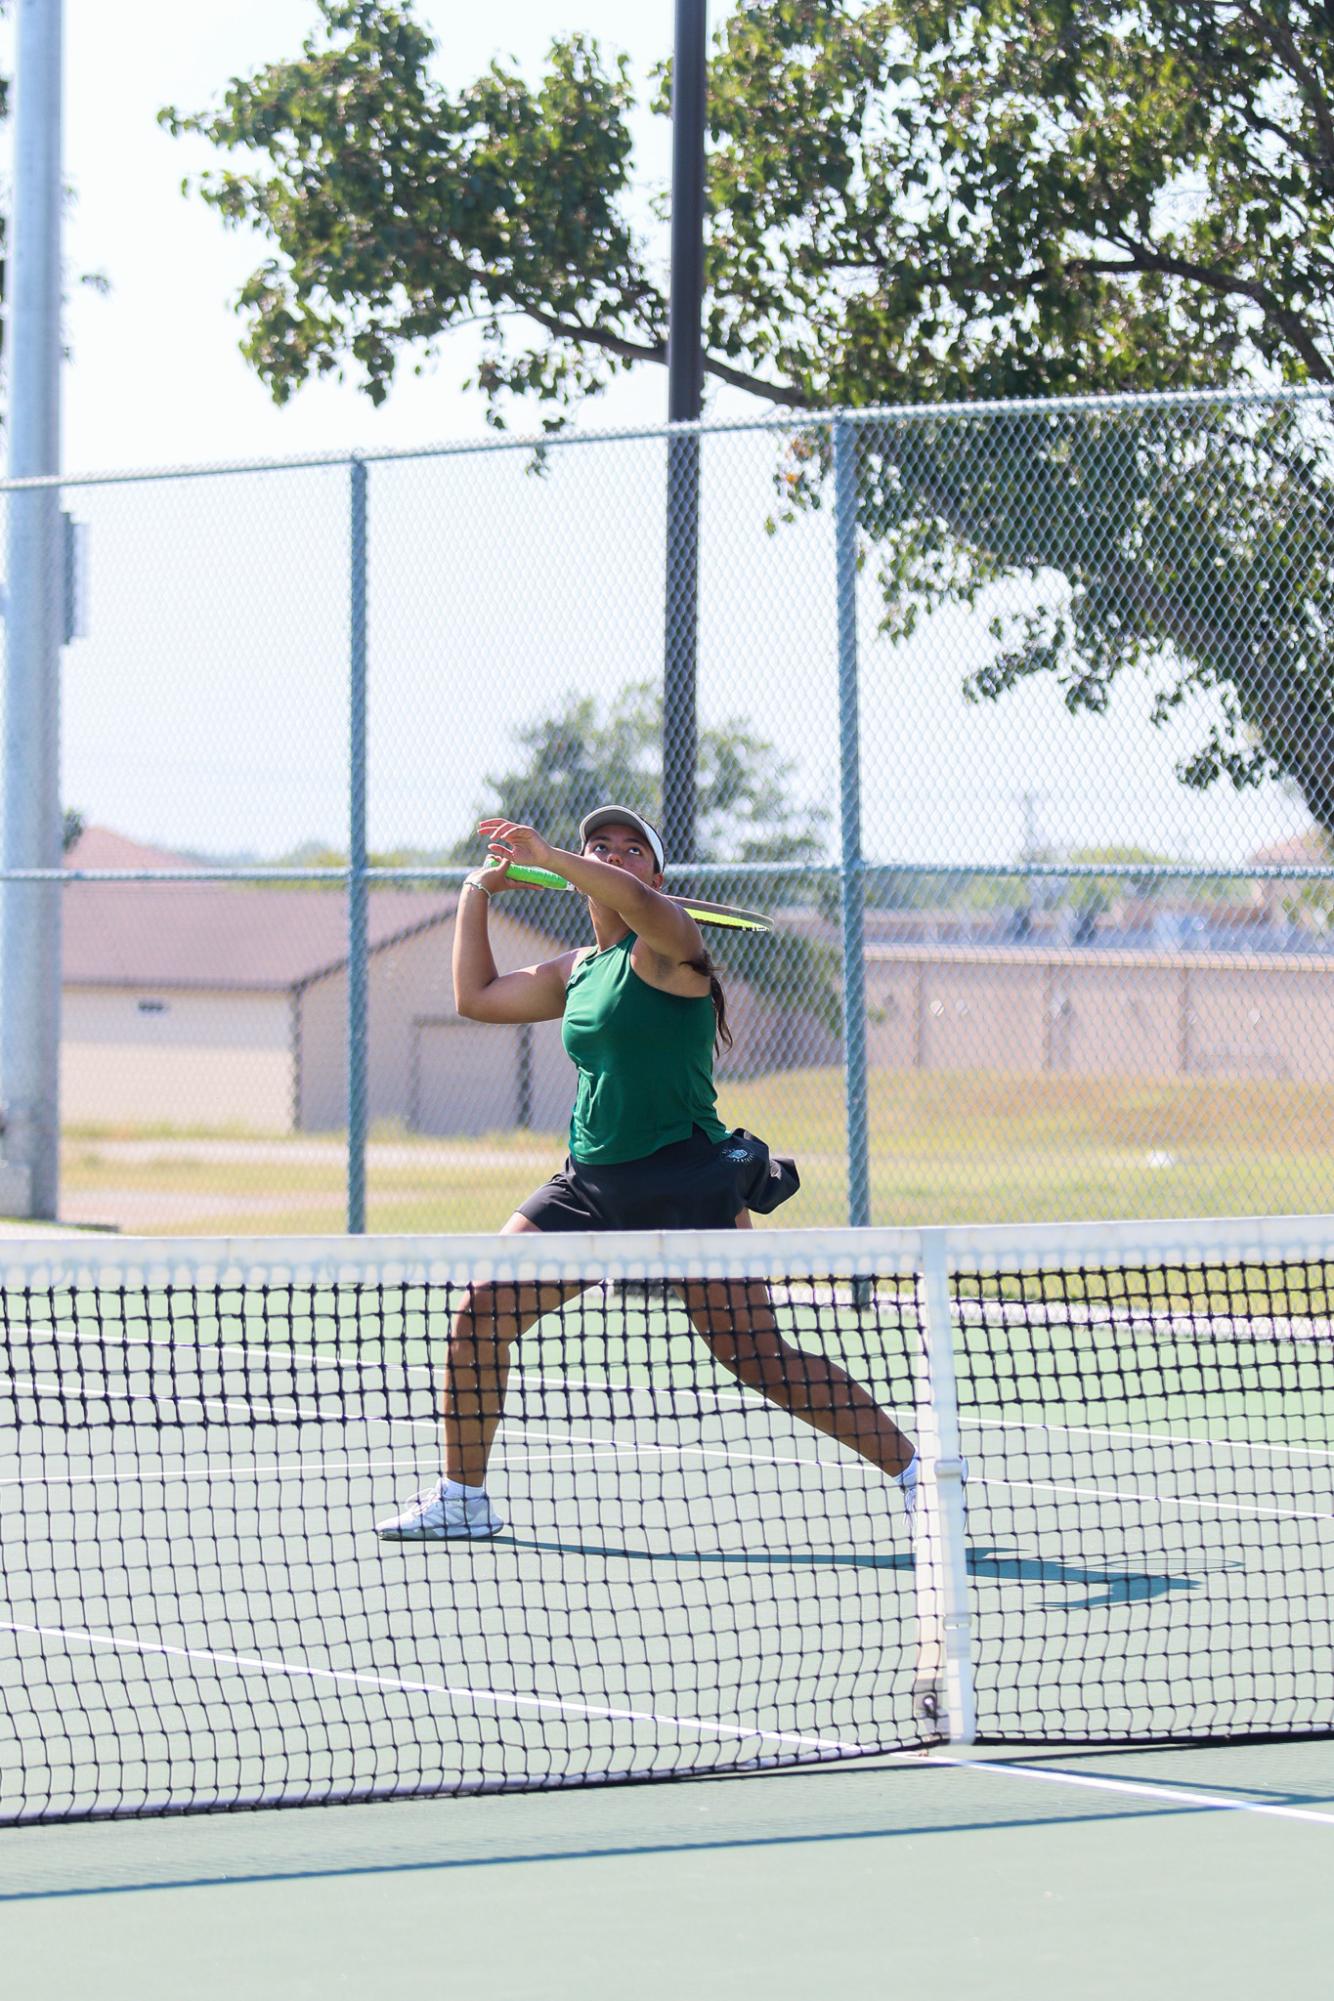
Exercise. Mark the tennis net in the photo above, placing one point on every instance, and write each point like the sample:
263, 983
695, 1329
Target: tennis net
197, 1441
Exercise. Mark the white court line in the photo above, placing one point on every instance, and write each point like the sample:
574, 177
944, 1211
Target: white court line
1145, 1437
1161, 1500
274, 1415
265, 1414
368, 1365
1134, 1788
169, 1475
639, 1450
571, 1451
574, 1450
1168, 1795
602, 1448
720, 1397
467, 1696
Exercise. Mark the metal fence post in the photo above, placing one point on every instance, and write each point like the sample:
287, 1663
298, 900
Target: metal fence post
685, 393
357, 889
852, 869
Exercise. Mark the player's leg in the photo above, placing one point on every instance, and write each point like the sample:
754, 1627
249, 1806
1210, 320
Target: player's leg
735, 1320
489, 1320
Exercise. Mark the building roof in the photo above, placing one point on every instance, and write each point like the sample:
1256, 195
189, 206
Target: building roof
100, 848
215, 934
1308, 850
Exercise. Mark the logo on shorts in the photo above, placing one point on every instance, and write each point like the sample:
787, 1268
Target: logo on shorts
735, 1153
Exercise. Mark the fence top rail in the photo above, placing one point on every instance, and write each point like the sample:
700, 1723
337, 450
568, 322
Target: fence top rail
902, 416
453, 873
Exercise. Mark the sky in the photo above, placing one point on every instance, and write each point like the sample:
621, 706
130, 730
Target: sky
156, 374
206, 708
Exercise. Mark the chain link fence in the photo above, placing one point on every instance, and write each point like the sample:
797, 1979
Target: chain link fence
1018, 718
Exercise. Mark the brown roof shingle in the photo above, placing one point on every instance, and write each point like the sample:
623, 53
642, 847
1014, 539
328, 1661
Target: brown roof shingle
213, 934
100, 848
221, 934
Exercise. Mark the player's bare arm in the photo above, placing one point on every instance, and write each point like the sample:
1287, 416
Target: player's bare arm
481, 991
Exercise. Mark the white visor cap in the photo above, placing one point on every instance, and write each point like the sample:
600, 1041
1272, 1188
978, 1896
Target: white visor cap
622, 816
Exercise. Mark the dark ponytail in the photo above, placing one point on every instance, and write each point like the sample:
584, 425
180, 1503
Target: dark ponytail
722, 1034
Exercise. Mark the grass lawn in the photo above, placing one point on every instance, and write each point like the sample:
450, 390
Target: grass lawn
944, 1147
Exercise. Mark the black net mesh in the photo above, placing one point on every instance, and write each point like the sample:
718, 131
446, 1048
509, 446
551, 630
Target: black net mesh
198, 1610
1152, 1538
703, 1564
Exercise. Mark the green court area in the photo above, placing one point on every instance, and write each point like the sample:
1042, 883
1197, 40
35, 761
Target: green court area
944, 1147
1162, 1873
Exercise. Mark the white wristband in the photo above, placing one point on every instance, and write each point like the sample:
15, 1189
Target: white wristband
470, 882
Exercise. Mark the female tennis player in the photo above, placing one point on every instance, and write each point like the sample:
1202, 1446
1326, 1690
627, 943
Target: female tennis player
642, 1008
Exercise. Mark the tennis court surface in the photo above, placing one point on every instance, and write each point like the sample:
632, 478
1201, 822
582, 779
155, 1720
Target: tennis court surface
196, 1441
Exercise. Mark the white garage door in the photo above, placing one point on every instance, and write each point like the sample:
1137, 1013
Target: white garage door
479, 1077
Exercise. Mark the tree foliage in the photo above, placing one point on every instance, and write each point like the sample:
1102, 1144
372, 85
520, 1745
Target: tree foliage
909, 203
581, 757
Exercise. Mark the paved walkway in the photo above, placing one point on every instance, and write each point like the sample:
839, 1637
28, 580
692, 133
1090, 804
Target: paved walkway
316, 1152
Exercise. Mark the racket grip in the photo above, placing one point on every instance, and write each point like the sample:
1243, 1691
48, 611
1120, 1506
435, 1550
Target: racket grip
539, 878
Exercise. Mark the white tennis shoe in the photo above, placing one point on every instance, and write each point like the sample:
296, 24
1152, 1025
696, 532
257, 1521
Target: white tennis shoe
444, 1513
907, 1482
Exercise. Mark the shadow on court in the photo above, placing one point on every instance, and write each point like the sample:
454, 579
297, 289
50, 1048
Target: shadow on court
1122, 1585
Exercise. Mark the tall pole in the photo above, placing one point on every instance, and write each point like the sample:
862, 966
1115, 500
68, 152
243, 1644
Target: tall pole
852, 874
30, 939
685, 395
357, 902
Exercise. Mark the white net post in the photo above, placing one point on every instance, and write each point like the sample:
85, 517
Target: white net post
943, 1683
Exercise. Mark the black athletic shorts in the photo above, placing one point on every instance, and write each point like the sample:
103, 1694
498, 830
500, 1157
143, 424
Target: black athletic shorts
690, 1185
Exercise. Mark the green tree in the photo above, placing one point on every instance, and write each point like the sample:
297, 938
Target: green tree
908, 202
582, 757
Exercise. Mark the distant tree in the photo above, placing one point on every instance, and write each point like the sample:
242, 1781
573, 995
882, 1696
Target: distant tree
322, 854
584, 756
72, 828
909, 202
1119, 856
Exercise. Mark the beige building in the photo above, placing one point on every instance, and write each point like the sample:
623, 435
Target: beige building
211, 1005
218, 1004
1034, 1011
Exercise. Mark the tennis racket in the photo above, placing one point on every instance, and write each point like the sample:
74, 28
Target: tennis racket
723, 914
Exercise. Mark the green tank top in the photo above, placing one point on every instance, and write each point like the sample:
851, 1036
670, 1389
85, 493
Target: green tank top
644, 1058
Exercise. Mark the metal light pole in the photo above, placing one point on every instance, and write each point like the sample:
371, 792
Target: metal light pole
30, 974
358, 901
685, 392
